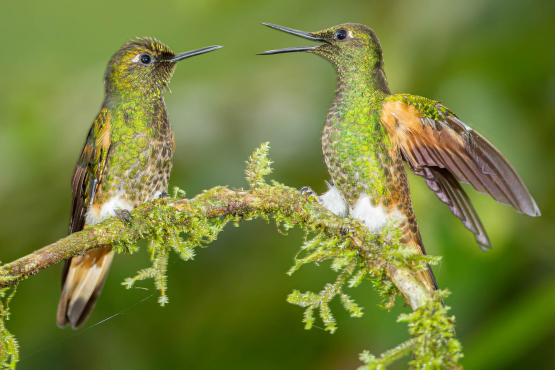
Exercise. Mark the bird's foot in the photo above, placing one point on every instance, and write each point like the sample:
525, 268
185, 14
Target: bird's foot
346, 230
309, 193
163, 195
124, 215
347, 227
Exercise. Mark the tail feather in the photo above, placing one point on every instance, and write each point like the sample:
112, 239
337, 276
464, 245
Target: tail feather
82, 283
428, 279
425, 276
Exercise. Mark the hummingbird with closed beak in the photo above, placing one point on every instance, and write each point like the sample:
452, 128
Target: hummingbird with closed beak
370, 133
126, 161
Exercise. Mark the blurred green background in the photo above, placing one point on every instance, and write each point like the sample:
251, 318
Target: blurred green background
492, 62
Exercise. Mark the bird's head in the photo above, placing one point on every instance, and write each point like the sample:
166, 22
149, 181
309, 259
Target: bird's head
346, 45
145, 65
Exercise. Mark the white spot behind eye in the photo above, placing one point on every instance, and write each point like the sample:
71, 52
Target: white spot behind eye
137, 58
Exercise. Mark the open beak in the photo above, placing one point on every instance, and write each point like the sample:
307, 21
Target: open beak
306, 35
192, 53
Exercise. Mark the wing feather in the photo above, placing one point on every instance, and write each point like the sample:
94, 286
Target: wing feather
442, 149
89, 168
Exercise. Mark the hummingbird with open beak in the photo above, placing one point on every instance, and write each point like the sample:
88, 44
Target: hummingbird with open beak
370, 133
126, 161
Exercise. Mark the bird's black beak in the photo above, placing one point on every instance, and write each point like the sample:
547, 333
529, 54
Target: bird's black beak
192, 53
306, 35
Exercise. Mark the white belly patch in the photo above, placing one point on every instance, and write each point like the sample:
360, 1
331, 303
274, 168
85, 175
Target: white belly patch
333, 201
93, 216
372, 216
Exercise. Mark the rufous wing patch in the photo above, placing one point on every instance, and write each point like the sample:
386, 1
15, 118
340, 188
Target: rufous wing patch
401, 120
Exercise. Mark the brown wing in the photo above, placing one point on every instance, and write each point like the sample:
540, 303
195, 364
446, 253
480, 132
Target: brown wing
450, 192
435, 144
87, 174
89, 168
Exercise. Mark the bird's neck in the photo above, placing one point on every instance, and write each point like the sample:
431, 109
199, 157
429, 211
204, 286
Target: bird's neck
361, 91
147, 113
137, 99
363, 84
140, 95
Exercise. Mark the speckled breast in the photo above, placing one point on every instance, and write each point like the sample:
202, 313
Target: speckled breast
138, 165
138, 172
357, 152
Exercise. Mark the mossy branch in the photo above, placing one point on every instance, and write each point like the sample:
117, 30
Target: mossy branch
356, 255
151, 219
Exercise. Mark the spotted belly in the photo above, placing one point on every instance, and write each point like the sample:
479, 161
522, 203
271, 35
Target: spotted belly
141, 180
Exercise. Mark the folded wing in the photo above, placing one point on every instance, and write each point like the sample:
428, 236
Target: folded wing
83, 276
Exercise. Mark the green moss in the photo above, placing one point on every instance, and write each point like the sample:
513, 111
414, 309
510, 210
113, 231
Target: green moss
180, 225
433, 342
258, 166
9, 349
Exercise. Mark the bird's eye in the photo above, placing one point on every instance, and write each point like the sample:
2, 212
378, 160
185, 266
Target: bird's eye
341, 34
145, 59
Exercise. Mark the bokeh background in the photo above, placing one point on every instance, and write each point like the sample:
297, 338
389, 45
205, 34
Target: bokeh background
492, 62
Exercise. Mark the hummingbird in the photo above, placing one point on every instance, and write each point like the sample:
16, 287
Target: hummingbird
370, 133
126, 161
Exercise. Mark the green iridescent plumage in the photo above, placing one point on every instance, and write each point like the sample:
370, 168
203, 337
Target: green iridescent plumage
126, 161
369, 133
426, 107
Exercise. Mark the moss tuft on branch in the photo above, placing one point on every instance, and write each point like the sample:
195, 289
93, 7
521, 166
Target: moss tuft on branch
9, 349
433, 340
258, 166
